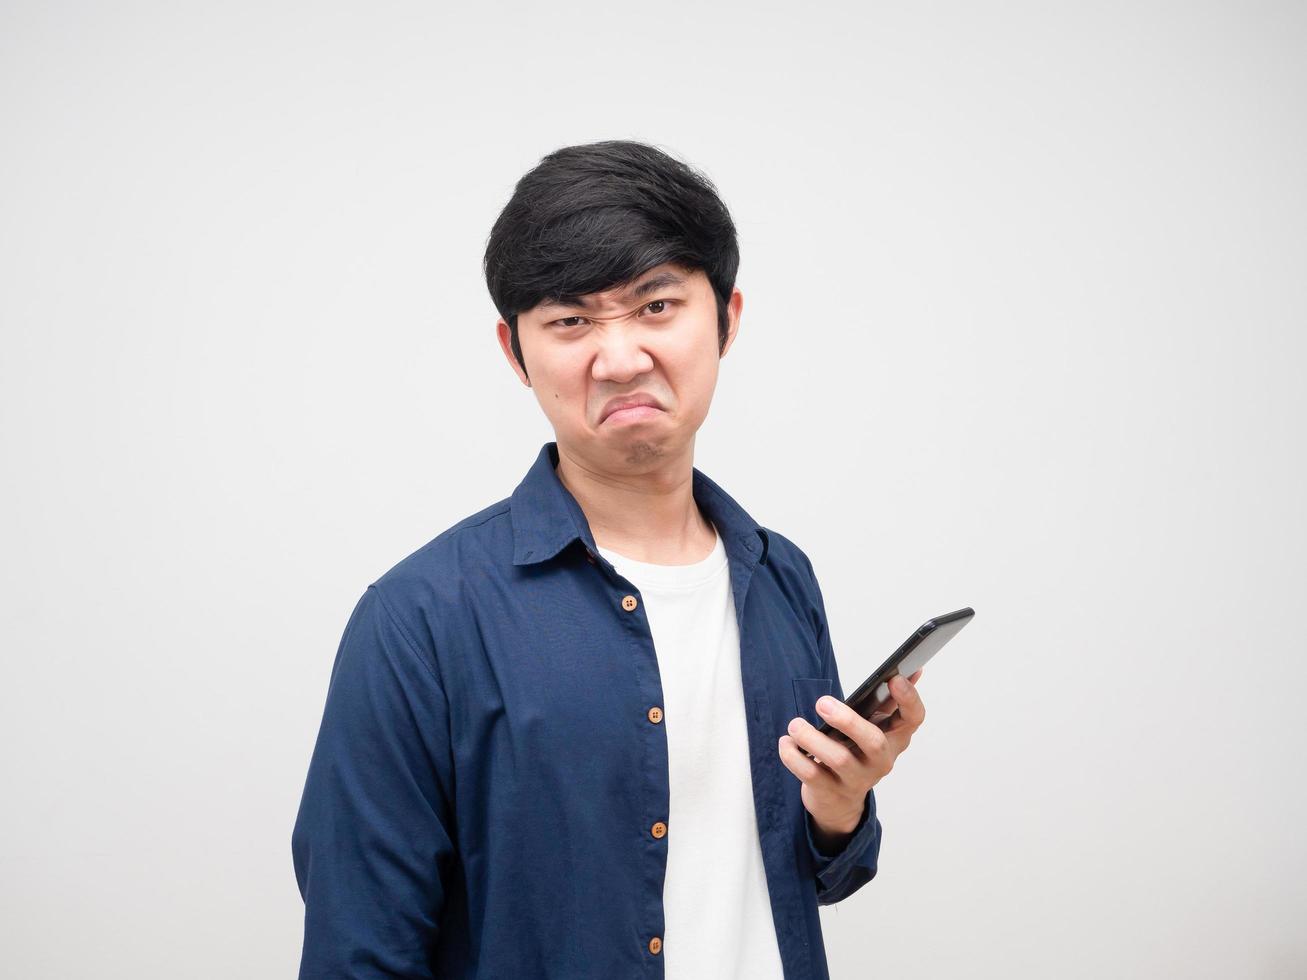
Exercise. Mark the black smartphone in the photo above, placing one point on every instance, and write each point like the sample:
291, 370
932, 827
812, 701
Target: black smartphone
869, 700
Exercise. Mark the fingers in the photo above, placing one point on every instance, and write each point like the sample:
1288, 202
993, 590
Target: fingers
866, 737
912, 712
911, 707
834, 754
885, 710
796, 762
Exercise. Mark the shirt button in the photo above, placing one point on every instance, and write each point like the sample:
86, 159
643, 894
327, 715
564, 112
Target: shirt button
659, 830
655, 945
589, 556
655, 714
629, 602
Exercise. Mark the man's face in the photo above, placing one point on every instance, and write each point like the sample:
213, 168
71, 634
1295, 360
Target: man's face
654, 336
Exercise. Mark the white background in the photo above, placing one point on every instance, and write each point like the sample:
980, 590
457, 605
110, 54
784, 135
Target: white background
1023, 330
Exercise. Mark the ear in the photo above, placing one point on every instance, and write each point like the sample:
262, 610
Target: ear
734, 307
505, 335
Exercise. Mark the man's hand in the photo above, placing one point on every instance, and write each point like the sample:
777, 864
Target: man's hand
836, 780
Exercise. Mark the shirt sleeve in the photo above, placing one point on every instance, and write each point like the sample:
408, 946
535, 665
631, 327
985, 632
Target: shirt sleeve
371, 842
840, 875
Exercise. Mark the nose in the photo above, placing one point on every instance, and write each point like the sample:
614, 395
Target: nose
621, 355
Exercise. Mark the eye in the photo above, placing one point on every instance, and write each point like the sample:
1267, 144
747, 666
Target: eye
656, 307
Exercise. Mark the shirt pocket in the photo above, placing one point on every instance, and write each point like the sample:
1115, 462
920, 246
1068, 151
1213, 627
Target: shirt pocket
806, 692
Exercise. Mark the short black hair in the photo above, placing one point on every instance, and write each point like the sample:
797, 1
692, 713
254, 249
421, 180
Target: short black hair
593, 216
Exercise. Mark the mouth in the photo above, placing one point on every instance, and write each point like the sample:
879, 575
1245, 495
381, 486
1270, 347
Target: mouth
630, 407
632, 413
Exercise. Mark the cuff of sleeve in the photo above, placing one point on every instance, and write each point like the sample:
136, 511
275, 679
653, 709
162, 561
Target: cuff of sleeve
832, 868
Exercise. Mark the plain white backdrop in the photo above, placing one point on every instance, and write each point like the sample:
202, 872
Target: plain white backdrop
1025, 299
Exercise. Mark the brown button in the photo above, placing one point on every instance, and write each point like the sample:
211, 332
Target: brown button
655, 945
659, 830
589, 556
629, 602
655, 714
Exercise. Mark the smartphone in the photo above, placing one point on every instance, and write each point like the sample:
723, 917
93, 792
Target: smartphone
869, 700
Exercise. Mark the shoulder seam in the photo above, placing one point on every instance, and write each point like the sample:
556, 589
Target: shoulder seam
406, 637
499, 513
440, 539
461, 526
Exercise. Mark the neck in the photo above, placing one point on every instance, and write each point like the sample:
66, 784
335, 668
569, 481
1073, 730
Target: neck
647, 513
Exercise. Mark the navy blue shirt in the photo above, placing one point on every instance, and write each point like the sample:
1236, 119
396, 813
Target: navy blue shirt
492, 755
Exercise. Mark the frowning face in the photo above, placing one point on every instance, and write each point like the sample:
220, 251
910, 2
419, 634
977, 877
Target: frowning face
653, 340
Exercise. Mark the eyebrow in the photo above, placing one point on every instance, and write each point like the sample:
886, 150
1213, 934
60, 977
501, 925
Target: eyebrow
660, 281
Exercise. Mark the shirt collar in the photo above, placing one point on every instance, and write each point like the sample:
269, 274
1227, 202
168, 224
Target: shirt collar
547, 518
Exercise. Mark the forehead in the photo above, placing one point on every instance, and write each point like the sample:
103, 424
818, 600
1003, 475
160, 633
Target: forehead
659, 278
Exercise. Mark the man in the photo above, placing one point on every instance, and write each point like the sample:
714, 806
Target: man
560, 739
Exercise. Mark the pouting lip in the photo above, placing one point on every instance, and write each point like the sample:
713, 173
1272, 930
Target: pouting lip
628, 401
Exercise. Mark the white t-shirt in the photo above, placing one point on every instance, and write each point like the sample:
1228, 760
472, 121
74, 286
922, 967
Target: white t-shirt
718, 919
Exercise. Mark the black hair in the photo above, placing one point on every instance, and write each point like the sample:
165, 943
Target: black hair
593, 216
